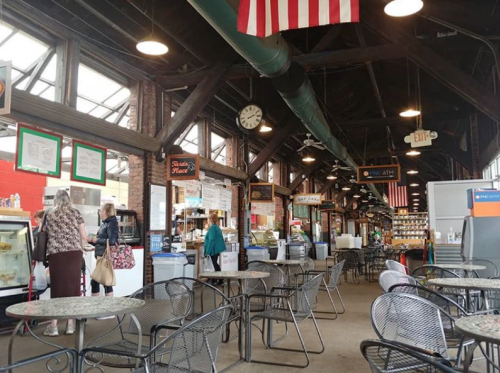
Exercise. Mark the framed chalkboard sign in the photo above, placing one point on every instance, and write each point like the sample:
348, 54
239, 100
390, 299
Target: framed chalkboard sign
261, 192
183, 167
327, 205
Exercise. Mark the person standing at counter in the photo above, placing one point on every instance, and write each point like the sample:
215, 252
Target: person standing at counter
66, 239
214, 241
107, 231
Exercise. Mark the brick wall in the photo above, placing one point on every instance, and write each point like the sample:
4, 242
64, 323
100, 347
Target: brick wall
29, 186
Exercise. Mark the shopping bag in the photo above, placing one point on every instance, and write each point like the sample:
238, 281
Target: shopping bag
40, 250
104, 272
122, 257
39, 278
208, 266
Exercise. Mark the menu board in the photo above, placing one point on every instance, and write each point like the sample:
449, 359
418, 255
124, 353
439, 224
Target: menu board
157, 207
210, 196
183, 167
327, 205
379, 174
88, 164
307, 199
38, 151
261, 192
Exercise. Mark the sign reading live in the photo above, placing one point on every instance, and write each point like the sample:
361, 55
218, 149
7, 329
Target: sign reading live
307, 199
261, 192
183, 167
327, 205
379, 174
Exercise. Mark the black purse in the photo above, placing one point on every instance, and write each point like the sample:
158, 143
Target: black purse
40, 251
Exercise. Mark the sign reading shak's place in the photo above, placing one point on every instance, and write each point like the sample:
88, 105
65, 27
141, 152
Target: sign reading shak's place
379, 174
183, 167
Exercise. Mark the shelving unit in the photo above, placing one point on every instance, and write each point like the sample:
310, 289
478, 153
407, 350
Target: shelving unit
409, 229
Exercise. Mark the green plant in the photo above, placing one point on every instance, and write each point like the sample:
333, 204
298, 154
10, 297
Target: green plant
278, 227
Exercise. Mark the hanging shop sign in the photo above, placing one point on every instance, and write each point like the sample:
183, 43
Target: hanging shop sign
379, 174
5, 87
183, 167
421, 138
38, 151
261, 192
307, 199
88, 164
157, 207
327, 205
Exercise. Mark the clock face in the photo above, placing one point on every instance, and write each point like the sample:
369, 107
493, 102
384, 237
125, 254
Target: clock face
250, 117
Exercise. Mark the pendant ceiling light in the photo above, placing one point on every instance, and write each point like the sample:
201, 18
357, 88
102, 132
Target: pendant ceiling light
403, 8
412, 172
308, 159
413, 153
412, 110
152, 45
414, 184
265, 128
331, 177
346, 188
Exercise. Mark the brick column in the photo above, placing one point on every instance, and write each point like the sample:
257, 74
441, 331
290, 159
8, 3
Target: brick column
145, 170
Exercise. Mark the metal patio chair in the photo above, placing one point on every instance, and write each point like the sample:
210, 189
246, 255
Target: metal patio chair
392, 357
351, 264
490, 271
192, 348
290, 305
392, 265
168, 303
263, 286
63, 360
389, 278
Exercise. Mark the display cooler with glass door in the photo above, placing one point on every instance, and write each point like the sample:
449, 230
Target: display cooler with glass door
16, 245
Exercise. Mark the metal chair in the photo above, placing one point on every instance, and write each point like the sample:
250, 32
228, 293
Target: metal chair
351, 264
409, 319
290, 305
392, 265
192, 348
63, 360
264, 286
168, 303
391, 357
375, 262
389, 278
490, 271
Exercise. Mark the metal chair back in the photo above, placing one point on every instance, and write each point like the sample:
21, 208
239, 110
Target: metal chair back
265, 285
305, 297
351, 263
392, 265
335, 273
389, 278
434, 271
490, 271
409, 319
388, 357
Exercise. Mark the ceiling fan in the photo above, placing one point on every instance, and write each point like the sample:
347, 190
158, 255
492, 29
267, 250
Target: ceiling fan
337, 167
310, 142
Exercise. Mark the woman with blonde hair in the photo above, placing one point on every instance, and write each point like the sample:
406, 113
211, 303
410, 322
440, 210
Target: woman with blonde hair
66, 239
214, 241
107, 231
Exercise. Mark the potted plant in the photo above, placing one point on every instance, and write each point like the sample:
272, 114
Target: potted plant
277, 229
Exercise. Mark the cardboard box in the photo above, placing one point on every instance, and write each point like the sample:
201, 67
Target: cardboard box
483, 202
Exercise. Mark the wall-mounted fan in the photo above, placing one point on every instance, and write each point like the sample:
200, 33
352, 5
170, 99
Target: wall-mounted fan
310, 142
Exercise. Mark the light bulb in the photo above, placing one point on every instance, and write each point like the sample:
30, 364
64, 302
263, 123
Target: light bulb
308, 159
403, 8
415, 194
412, 172
265, 128
346, 188
414, 184
331, 177
356, 196
152, 47
413, 153
410, 113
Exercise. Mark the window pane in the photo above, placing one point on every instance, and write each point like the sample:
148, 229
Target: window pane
124, 122
121, 96
190, 148
8, 144
66, 152
5, 30
49, 94
14, 74
216, 140
50, 71
193, 134
38, 88
22, 50
99, 112
95, 86
84, 106
112, 117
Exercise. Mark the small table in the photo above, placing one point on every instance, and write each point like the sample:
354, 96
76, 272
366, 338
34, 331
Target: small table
483, 328
468, 284
78, 308
463, 266
240, 276
286, 263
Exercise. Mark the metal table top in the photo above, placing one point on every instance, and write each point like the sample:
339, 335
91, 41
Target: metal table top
235, 275
482, 328
464, 266
466, 283
74, 308
290, 262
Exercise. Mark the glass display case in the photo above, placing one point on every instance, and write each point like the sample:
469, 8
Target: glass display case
263, 238
16, 245
129, 227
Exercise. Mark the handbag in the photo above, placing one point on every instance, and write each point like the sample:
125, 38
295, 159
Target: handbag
40, 250
104, 273
122, 257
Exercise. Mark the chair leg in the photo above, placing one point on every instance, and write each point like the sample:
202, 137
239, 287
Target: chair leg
335, 311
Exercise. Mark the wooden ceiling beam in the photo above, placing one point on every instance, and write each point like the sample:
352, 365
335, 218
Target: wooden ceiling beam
308, 61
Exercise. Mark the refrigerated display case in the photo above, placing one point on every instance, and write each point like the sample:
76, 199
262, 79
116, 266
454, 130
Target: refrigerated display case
129, 227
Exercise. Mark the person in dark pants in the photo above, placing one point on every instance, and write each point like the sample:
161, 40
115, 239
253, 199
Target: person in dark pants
214, 242
107, 231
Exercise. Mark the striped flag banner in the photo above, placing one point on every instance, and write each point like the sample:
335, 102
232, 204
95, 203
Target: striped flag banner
266, 17
398, 193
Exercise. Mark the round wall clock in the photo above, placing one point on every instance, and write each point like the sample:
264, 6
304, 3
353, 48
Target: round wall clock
250, 118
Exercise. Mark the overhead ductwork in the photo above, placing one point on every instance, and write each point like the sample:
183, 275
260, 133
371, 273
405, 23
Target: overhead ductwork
271, 57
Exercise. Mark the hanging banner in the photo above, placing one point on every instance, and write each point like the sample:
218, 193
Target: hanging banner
261, 192
5, 87
327, 205
307, 199
379, 174
38, 151
88, 164
183, 167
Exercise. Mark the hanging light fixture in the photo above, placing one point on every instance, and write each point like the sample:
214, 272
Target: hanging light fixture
331, 177
152, 45
411, 111
265, 128
415, 194
346, 188
403, 8
412, 172
356, 196
413, 153
308, 159
414, 184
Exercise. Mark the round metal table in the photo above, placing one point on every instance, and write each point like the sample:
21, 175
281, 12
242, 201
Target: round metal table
464, 266
483, 328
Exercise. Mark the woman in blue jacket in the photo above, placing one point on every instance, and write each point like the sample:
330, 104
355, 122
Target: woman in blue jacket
214, 242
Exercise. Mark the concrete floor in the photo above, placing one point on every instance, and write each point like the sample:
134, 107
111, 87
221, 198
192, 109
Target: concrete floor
342, 338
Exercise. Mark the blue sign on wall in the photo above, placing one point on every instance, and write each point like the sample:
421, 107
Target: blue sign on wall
155, 242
